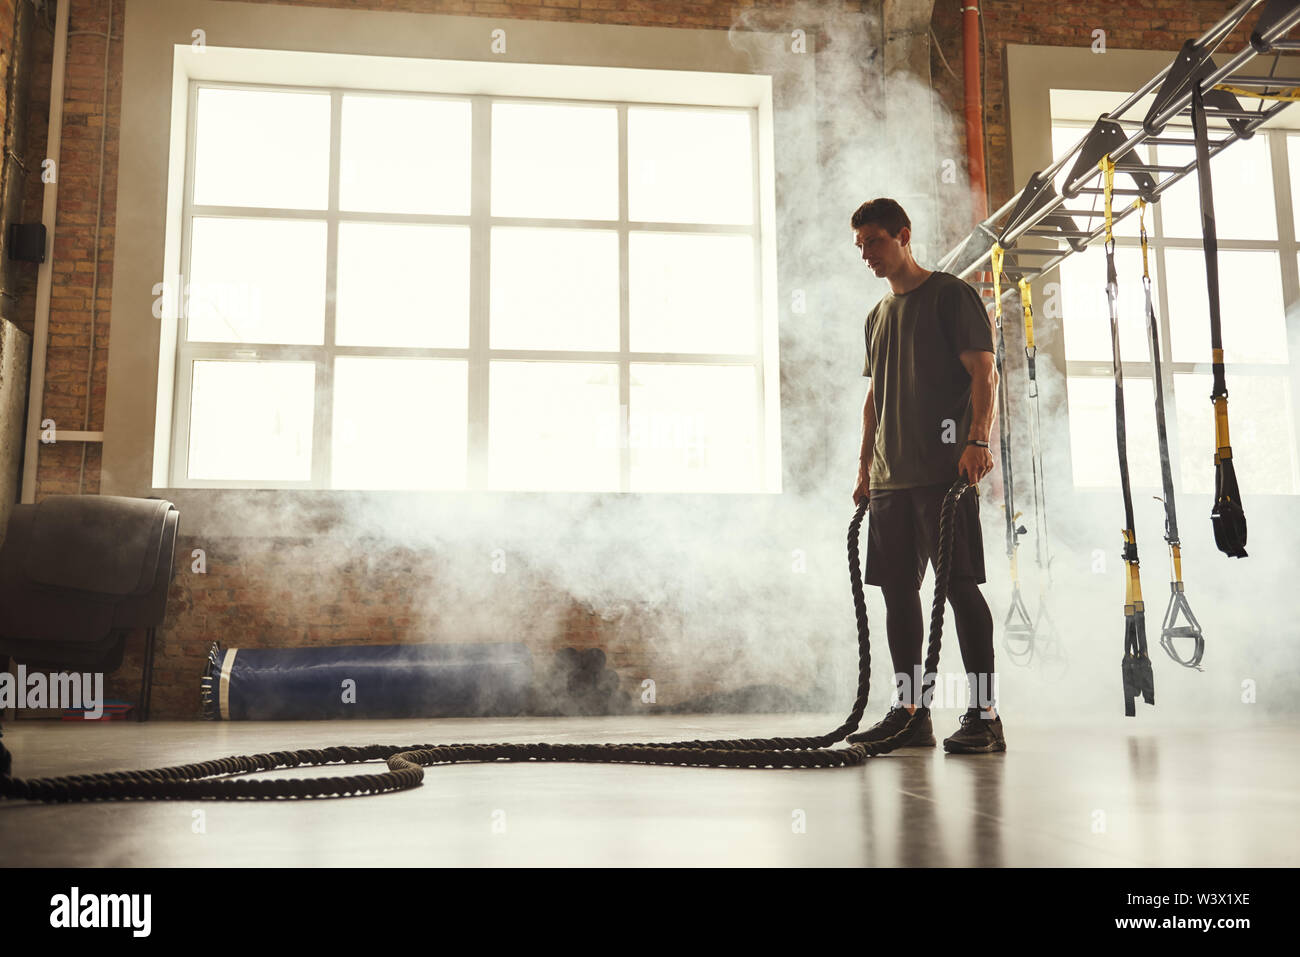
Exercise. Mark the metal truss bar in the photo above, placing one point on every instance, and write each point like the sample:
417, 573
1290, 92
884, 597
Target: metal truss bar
1057, 233
1265, 82
1210, 38
1119, 215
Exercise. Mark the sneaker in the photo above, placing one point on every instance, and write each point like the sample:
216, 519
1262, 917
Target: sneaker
922, 735
977, 734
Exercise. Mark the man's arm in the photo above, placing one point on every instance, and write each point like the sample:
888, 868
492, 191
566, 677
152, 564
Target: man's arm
983, 386
977, 462
863, 487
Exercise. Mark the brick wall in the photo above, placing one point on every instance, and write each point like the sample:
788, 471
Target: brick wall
82, 289
37, 120
6, 57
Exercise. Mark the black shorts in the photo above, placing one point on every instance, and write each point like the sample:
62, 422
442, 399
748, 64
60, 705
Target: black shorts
903, 535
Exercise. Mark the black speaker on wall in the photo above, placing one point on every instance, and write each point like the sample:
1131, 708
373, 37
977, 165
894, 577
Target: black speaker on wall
27, 242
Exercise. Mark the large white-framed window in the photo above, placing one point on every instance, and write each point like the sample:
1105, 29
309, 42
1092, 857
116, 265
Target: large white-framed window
387, 289
1256, 186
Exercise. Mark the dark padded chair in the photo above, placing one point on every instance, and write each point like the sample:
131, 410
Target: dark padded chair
77, 573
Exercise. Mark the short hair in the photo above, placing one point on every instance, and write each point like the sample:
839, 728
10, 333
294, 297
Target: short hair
885, 213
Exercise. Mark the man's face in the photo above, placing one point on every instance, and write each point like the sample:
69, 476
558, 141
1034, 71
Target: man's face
882, 252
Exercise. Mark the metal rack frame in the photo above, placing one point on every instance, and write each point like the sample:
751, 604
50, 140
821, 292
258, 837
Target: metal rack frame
1039, 212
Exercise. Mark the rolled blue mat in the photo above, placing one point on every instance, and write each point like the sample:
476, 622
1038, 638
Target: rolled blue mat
366, 681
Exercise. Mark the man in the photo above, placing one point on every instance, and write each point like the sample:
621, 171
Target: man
926, 421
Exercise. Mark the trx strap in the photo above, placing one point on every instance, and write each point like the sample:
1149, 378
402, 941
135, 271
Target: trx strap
1136, 666
223, 779
1227, 515
1044, 625
1018, 628
1169, 630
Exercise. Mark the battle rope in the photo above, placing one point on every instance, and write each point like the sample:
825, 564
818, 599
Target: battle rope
1044, 627
1169, 629
1227, 515
1136, 665
406, 764
1018, 628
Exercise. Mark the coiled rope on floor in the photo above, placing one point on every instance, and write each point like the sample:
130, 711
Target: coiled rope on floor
213, 780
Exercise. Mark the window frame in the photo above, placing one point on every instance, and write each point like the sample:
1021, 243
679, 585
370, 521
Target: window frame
478, 354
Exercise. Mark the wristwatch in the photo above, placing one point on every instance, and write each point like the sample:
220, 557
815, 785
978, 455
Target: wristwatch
980, 442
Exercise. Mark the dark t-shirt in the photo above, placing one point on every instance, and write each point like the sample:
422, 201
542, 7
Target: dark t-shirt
922, 390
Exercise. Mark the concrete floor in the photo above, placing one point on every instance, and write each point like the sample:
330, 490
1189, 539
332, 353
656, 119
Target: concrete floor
1122, 792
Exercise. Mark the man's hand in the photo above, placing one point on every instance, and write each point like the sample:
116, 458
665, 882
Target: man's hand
976, 462
862, 490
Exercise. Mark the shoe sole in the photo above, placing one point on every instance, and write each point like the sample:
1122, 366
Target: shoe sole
968, 749
930, 742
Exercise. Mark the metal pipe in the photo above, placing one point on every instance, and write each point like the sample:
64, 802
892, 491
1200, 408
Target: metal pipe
974, 108
1228, 23
45, 275
1264, 82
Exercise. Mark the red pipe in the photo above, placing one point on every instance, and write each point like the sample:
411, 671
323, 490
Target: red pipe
970, 12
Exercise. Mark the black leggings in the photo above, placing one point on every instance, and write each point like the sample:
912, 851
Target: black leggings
905, 630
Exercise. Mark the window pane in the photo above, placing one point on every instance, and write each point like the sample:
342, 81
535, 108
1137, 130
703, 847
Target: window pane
401, 285
1242, 176
550, 426
1250, 300
1085, 308
693, 428
405, 154
262, 148
554, 289
691, 293
426, 398
1094, 452
1262, 432
554, 161
257, 280
690, 166
1293, 159
1064, 138
252, 420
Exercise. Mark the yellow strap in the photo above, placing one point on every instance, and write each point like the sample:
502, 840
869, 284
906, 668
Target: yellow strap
1291, 95
1221, 429
1133, 587
1128, 593
1027, 301
998, 254
1108, 167
1176, 554
1142, 226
